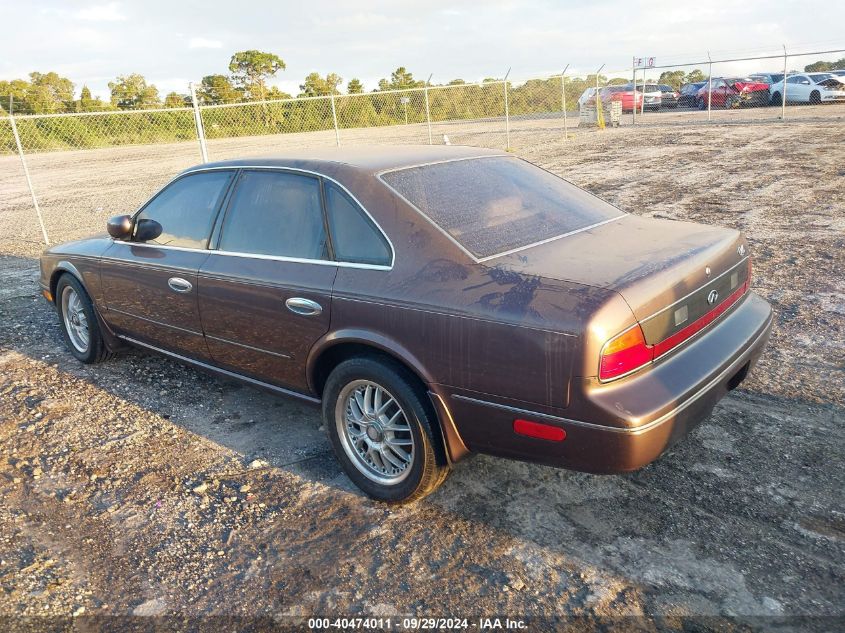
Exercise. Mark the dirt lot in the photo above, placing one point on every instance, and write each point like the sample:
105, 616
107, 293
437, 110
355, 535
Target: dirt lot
144, 487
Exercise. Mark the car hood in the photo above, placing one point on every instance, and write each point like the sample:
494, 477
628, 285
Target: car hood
750, 86
833, 82
650, 262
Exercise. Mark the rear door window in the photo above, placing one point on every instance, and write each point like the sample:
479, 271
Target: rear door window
275, 213
493, 205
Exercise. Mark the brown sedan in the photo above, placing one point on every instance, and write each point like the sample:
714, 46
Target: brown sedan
433, 300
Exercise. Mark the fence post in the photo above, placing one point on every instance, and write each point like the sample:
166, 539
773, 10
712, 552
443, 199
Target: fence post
783, 98
563, 99
26, 174
507, 115
334, 118
634, 83
428, 109
198, 122
709, 83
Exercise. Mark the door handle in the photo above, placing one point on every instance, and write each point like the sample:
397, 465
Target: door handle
305, 307
179, 285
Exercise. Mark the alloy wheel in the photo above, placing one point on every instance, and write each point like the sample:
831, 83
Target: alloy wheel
75, 319
375, 432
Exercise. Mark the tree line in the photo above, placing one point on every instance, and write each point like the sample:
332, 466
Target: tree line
247, 80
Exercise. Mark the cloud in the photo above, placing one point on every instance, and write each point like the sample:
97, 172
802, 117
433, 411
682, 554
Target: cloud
202, 42
101, 13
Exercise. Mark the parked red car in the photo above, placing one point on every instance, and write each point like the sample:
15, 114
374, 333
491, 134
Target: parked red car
733, 92
625, 94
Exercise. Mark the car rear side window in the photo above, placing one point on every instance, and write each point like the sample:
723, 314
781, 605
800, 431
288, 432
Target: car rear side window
186, 209
354, 237
275, 213
493, 205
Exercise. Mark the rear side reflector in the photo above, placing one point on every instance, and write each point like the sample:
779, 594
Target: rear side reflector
541, 431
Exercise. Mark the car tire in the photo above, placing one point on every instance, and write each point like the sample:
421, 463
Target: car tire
384, 433
731, 102
776, 99
78, 319
815, 97
702, 105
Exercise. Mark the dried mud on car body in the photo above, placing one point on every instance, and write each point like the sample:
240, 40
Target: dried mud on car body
143, 486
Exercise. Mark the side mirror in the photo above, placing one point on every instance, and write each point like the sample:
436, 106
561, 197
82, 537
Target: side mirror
120, 227
146, 230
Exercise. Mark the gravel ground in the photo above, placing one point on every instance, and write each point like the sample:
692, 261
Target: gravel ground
144, 487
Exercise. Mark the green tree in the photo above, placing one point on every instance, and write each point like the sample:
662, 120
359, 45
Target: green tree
88, 103
317, 86
175, 100
457, 82
132, 91
16, 92
400, 79
354, 87
673, 78
251, 69
274, 93
815, 67
694, 76
216, 89
48, 92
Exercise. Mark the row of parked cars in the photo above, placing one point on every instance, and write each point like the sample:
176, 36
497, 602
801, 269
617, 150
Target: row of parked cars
759, 89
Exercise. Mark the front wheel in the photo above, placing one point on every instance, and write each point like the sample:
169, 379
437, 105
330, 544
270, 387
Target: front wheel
776, 99
702, 104
815, 97
383, 434
80, 328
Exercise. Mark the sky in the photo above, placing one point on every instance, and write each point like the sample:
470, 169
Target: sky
177, 41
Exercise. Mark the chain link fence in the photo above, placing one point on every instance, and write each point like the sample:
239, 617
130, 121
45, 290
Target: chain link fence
65, 174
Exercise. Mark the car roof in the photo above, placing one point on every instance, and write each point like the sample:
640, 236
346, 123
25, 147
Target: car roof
367, 158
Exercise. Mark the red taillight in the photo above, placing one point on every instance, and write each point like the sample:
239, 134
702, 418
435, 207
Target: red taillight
625, 353
541, 431
628, 351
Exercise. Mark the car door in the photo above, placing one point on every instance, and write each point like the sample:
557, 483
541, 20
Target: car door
796, 91
149, 286
805, 88
720, 89
265, 291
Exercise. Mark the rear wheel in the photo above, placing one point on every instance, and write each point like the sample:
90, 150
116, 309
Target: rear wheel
702, 104
815, 97
776, 99
384, 436
80, 327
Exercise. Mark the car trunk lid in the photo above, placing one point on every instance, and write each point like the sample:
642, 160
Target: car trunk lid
670, 273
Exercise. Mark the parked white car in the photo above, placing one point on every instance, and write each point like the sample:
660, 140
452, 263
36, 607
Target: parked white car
652, 96
809, 88
588, 97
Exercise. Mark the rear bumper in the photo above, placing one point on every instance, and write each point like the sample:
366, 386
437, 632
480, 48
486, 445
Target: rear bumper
624, 425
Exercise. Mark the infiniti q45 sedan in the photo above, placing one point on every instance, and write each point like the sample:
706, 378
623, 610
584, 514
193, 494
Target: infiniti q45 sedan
433, 301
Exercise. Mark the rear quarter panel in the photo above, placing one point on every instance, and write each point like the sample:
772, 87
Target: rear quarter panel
475, 328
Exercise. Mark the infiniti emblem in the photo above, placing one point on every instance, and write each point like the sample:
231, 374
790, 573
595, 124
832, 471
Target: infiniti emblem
713, 297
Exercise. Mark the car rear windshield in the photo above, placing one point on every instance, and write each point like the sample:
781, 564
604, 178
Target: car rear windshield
494, 205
